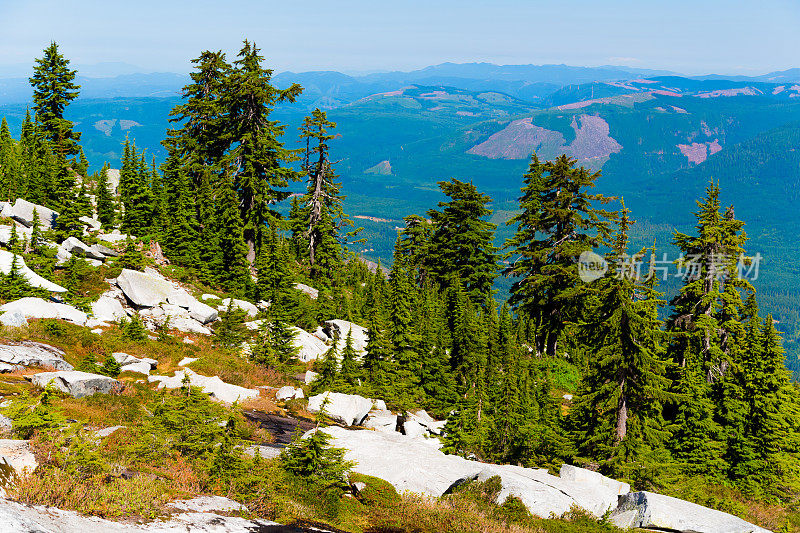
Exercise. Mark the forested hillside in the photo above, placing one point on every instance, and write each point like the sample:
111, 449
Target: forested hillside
581, 359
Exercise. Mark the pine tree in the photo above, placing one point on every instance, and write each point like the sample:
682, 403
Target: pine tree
9, 162
350, 372
53, 90
322, 204
68, 223
557, 223
626, 379
256, 156
36, 232
180, 234
413, 246
105, 203
137, 199
461, 243
83, 203
327, 367
232, 272
402, 330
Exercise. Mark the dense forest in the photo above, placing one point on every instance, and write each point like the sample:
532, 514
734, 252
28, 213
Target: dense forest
703, 392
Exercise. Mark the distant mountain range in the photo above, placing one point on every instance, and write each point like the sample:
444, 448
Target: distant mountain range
330, 89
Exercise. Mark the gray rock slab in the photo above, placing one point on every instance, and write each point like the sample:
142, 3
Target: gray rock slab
75, 383
29, 353
143, 289
664, 513
23, 212
349, 409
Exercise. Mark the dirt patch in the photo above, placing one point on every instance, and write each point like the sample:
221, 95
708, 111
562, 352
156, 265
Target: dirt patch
281, 427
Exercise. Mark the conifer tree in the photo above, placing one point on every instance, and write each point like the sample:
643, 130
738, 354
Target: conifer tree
9, 162
68, 223
137, 199
83, 204
323, 211
709, 306
557, 223
105, 203
180, 233
461, 242
350, 371
626, 379
36, 232
53, 90
402, 329
256, 157
327, 367
232, 271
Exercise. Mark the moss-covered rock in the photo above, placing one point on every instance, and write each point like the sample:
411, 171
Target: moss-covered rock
373, 491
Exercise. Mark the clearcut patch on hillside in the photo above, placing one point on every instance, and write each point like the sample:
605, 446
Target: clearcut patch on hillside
698, 152
592, 140
521, 138
384, 168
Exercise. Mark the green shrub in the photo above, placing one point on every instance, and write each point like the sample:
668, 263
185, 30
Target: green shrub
133, 329
131, 257
31, 415
230, 331
316, 461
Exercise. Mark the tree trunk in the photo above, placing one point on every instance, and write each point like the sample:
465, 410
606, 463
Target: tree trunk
622, 416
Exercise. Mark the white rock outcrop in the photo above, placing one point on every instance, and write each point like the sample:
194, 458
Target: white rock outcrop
75, 246
75, 383
19, 518
349, 409
18, 456
245, 306
22, 231
23, 212
664, 513
381, 420
29, 353
309, 347
339, 329
410, 464
108, 309
288, 392
30, 307
212, 385
33, 279
142, 289
310, 291
13, 319
188, 325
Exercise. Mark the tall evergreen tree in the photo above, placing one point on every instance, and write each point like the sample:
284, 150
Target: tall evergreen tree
53, 90
323, 211
257, 158
557, 223
462, 238
232, 271
625, 385
105, 203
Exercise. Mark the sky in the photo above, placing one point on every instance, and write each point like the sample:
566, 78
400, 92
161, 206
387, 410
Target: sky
690, 37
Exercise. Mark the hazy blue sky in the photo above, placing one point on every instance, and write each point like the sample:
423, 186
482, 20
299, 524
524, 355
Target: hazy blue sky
695, 36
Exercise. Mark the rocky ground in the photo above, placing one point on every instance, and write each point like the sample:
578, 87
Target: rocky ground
400, 447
